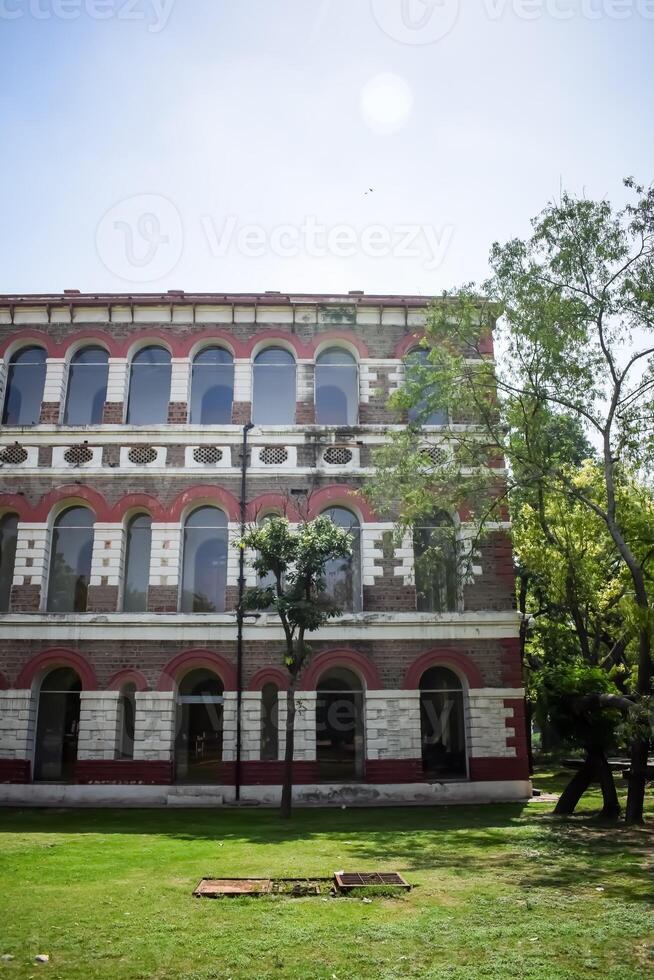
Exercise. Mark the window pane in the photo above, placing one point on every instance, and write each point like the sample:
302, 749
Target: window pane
274, 388
434, 548
269, 722
87, 387
25, 381
212, 387
337, 388
442, 729
204, 575
137, 564
70, 561
149, 387
415, 360
8, 536
343, 575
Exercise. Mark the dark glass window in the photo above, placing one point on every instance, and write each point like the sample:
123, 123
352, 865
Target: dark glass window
212, 387
442, 724
273, 388
199, 741
87, 387
415, 361
25, 382
149, 387
340, 750
337, 388
70, 561
57, 727
126, 718
8, 537
435, 556
343, 575
137, 563
269, 722
204, 573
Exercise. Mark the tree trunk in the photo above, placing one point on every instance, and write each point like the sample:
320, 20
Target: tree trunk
637, 781
594, 767
287, 787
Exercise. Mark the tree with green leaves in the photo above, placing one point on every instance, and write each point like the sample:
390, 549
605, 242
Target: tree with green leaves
576, 333
291, 565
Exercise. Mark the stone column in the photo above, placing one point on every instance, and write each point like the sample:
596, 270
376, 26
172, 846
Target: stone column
304, 742
179, 390
164, 568
98, 725
30, 567
17, 724
154, 726
106, 567
251, 726
229, 726
53, 391
114, 409
242, 406
486, 729
393, 725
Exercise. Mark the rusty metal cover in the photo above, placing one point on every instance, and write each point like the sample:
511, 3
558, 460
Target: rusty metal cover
345, 880
215, 887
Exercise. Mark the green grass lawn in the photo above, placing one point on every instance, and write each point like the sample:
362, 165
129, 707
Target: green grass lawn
500, 891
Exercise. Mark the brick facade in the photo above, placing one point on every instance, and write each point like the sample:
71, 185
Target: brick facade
380, 643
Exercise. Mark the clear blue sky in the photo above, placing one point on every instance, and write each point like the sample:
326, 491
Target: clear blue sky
137, 149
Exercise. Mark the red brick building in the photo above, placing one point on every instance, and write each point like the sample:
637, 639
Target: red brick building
121, 451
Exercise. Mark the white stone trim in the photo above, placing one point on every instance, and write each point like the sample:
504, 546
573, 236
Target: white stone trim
154, 725
242, 379
165, 554
55, 378
32, 544
392, 724
180, 379
487, 733
117, 379
17, 724
32, 461
258, 465
108, 554
191, 464
98, 725
158, 463
58, 461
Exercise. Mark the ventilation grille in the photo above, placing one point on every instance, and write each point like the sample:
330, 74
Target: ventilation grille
209, 455
142, 455
434, 455
337, 455
78, 455
14, 455
273, 455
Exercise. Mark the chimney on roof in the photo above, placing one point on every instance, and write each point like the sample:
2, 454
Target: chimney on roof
71, 292
175, 292
355, 292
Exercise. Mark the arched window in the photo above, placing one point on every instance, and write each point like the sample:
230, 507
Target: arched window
273, 399
269, 722
340, 751
149, 387
414, 363
204, 574
87, 387
199, 741
126, 717
442, 724
25, 382
435, 557
57, 728
8, 538
137, 563
212, 387
343, 575
337, 388
70, 561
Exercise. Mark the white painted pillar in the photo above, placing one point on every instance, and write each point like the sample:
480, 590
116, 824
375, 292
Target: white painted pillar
165, 554
32, 555
107, 559
55, 378
393, 724
154, 725
117, 380
486, 731
17, 724
98, 725
251, 726
180, 379
242, 379
229, 726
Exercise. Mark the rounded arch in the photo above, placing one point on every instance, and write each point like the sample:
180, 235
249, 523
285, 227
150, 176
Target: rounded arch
180, 665
137, 503
128, 676
201, 342
345, 657
28, 338
267, 503
45, 661
269, 675
92, 338
15, 503
278, 338
203, 494
339, 338
149, 338
459, 663
71, 495
407, 344
341, 495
